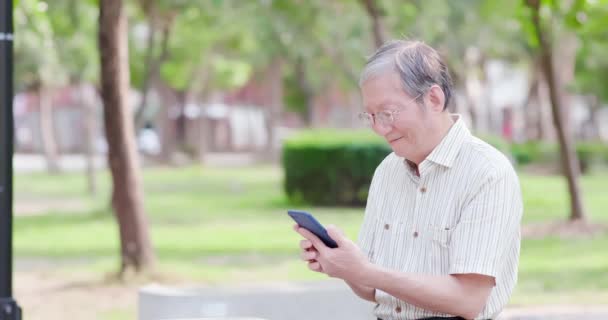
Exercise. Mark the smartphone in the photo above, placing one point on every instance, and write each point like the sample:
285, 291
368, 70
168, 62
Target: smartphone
308, 222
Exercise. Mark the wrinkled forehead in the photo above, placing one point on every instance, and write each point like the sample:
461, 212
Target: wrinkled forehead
383, 92
384, 105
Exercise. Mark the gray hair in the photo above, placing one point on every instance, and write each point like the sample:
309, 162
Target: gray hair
418, 65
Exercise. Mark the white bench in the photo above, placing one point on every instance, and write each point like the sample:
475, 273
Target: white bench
331, 300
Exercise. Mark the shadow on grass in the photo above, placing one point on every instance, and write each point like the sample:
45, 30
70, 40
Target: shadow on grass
52, 218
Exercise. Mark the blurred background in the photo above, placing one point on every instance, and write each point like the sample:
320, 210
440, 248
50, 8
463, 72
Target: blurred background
163, 140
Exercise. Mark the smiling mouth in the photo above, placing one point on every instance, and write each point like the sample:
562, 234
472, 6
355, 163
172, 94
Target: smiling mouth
391, 141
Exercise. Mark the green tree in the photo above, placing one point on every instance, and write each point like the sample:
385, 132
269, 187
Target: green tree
589, 20
319, 50
545, 45
189, 49
123, 159
39, 72
73, 23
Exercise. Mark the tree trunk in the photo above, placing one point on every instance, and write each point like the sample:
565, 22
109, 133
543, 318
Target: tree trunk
181, 120
569, 158
47, 131
206, 128
593, 121
471, 108
564, 61
152, 69
465, 107
597, 120
166, 123
87, 101
490, 125
127, 193
531, 106
274, 76
145, 88
471, 85
376, 15
306, 89
545, 117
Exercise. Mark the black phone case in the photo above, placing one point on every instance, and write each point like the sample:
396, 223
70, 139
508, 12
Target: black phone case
308, 222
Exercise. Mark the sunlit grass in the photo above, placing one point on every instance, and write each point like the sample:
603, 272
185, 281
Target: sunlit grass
219, 225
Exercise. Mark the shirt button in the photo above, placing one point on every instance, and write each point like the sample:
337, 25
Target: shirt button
398, 309
415, 234
423, 189
386, 226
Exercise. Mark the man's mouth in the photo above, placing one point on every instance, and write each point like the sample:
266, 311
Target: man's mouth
393, 140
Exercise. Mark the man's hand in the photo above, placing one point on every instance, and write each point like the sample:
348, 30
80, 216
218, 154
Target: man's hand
309, 254
346, 262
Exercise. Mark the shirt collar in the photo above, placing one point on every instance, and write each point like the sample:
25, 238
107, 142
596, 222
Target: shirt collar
447, 150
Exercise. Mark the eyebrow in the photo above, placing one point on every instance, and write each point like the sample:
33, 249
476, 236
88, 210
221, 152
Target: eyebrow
382, 106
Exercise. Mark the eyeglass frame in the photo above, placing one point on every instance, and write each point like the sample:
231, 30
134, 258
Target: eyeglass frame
392, 113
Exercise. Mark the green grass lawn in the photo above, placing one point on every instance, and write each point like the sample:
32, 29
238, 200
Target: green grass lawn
219, 225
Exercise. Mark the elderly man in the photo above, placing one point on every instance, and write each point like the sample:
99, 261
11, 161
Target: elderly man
441, 234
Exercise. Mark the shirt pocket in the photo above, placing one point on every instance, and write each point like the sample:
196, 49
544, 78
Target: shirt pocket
378, 241
439, 247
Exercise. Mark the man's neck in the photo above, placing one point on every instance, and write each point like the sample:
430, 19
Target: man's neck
435, 137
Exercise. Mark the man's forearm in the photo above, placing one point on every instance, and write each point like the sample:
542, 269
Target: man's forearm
443, 293
364, 292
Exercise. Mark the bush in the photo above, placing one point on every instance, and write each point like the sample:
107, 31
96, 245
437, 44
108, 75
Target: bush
589, 153
335, 167
496, 142
534, 152
331, 167
499, 143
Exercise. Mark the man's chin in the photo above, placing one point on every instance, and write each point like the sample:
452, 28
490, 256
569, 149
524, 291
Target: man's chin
403, 149
399, 151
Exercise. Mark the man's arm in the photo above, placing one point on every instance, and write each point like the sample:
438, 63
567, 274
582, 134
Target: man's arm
488, 225
309, 253
366, 293
463, 295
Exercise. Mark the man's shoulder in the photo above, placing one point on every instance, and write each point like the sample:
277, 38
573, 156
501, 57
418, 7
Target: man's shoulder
387, 169
488, 167
480, 155
389, 163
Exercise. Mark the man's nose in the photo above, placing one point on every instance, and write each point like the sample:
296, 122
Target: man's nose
380, 129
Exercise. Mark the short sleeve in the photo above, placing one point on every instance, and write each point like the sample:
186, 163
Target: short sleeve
489, 225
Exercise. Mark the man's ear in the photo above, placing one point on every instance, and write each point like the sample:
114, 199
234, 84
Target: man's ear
436, 98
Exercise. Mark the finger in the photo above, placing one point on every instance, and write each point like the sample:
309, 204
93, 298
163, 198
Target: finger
336, 234
306, 244
315, 266
335, 229
316, 242
308, 255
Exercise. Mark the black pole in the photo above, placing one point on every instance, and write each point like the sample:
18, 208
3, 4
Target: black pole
9, 310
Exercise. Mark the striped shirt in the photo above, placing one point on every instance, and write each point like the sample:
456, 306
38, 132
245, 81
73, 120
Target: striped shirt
462, 214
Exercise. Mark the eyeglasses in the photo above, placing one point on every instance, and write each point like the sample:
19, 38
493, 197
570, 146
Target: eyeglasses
384, 118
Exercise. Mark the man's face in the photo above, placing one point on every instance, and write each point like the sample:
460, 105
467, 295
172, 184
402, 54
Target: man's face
411, 121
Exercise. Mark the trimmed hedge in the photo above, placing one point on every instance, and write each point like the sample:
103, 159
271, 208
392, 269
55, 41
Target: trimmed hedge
534, 152
497, 142
331, 167
335, 167
589, 153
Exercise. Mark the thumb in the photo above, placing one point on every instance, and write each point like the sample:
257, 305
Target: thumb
336, 234
316, 242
